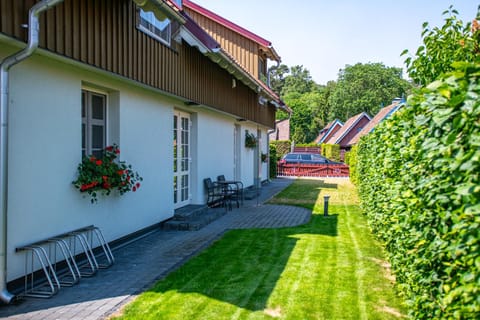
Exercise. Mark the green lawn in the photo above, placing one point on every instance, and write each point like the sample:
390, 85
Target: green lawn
330, 268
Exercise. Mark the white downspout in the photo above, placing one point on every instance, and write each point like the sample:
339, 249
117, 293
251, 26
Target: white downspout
33, 30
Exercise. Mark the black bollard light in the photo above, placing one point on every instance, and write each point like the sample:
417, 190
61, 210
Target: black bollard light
325, 205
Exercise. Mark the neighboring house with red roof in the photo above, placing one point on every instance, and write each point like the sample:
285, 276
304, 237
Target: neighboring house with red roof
350, 129
281, 131
327, 132
379, 117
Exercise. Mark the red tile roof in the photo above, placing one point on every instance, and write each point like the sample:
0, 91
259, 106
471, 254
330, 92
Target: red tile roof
379, 117
347, 127
327, 130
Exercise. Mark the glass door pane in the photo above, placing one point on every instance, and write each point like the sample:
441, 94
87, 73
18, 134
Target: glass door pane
181, 158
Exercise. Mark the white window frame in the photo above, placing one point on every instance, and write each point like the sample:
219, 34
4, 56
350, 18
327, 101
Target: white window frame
147, 22
262, 67
89, 121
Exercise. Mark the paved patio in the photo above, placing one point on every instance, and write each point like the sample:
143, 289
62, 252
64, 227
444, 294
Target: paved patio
140, 263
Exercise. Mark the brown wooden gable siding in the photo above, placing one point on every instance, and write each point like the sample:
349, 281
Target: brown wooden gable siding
103, 33
244, 50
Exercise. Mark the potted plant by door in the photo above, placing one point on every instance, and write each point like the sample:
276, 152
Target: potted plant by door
250, 140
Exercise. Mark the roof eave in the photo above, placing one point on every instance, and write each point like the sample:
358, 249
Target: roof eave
161, 6
195, 36
335, 123
352, 125
220, 57
272, 54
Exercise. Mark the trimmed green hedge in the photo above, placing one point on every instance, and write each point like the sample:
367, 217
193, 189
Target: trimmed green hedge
351, 161
273, 161
312, 144
283, 147
419, 184
331, 151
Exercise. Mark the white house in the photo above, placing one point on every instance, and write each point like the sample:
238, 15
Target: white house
138, 73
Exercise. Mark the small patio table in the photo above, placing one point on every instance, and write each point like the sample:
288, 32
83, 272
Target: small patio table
235, 193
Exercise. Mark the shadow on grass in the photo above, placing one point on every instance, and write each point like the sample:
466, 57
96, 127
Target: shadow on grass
243, 268
329, 185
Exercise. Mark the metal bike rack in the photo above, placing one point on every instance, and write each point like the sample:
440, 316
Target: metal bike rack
74, 250
32, 289
72, 275
89, 266
92, 231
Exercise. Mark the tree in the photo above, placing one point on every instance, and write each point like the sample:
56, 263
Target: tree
303, 96
324, 107
277, 77
454, 41
304, 122
299, 80
366, 87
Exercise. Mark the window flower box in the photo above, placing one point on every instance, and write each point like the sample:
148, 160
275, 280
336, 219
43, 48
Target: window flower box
105, 174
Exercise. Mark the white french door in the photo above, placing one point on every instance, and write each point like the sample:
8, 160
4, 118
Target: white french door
181, 159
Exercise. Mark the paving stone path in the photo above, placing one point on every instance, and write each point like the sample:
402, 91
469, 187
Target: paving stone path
140, 263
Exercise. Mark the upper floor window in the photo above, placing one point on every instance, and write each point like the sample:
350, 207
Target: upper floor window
159, 29
262, 70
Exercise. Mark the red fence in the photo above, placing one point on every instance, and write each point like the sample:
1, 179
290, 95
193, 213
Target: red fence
316, 150
313, 170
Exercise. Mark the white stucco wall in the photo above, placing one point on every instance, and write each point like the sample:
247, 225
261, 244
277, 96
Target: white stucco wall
264, 149
215, 149
45, 150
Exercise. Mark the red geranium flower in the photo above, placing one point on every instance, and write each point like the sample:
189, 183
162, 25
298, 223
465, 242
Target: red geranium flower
101, 176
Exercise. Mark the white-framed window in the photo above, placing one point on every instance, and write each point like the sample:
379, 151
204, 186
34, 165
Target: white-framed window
94, 123
262, 68
158, 29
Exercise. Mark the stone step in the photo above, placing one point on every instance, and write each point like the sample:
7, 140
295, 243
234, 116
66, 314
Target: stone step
195, 221
189, 212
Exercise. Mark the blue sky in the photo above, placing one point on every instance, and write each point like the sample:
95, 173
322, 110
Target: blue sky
326, 35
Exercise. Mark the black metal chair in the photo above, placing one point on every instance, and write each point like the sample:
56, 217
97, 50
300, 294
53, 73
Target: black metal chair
215, 194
